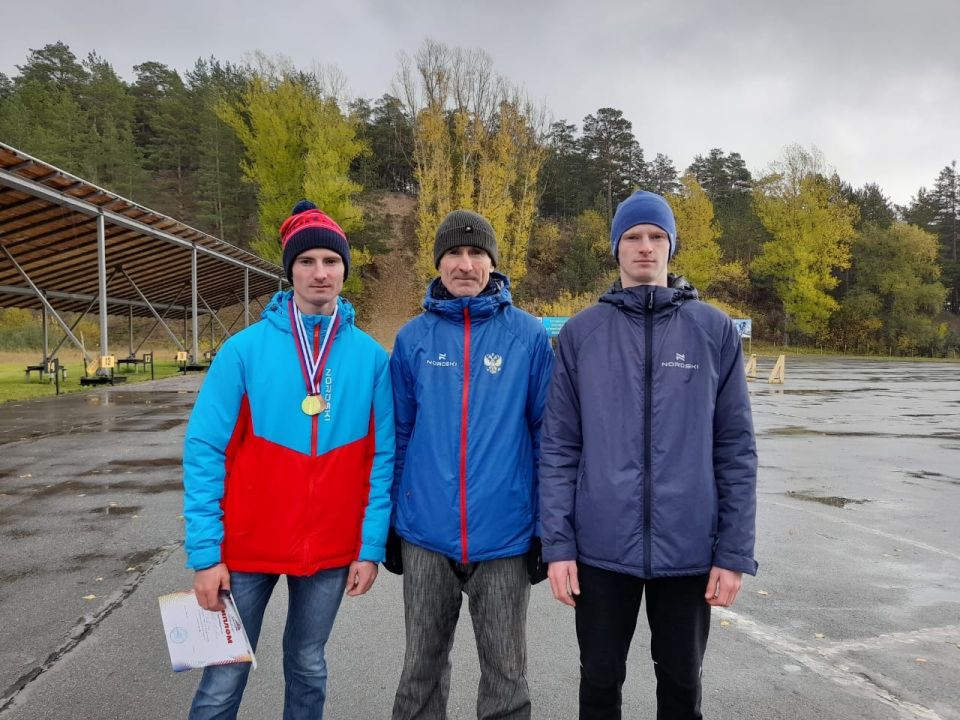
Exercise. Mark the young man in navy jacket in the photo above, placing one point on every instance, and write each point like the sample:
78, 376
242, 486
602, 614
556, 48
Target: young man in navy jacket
648, 469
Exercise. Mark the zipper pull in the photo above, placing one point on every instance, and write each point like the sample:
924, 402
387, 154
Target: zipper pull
650, 294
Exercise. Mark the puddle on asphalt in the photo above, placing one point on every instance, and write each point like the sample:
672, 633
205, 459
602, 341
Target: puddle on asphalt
81, 488
130, 425
151, 488
831, 500
115, 467
4, 579
20, 533
116, 510
88, 557
827, 391
800, 430
930, 475
141, 557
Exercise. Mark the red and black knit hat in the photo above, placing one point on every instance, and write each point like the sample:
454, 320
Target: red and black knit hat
308, 228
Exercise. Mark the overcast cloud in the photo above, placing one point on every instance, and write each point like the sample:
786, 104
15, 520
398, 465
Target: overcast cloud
874, 84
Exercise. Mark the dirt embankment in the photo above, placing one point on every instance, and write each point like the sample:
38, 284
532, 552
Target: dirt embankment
391, 293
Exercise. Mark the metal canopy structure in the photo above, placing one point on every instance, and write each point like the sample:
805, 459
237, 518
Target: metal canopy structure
68, 245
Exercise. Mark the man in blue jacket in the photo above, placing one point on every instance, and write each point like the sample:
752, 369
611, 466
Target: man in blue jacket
470, 379
648, 469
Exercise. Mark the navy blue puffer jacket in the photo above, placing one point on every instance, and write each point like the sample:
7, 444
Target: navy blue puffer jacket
648, 464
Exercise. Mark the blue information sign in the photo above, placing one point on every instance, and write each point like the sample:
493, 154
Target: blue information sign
744, 327
553, 325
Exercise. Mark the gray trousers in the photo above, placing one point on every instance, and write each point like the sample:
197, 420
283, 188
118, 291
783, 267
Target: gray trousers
433, 588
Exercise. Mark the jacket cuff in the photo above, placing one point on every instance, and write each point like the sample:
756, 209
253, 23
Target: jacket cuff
372, 553
559, 552
203, 559
737, 563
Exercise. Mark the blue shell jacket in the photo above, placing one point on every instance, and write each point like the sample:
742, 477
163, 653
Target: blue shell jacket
470, 378
648, 461
268, 488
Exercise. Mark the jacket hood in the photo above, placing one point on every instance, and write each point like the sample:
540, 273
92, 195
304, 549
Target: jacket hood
276, 312
494, 296
634, 299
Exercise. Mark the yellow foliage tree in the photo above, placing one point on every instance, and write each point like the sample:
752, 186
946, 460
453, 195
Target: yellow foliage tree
477, 145
298, 144
812, 228
699, 255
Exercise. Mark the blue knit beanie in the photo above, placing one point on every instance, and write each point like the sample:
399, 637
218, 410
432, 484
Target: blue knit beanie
643, 208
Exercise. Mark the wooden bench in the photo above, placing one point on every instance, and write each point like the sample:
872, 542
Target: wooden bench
43, 370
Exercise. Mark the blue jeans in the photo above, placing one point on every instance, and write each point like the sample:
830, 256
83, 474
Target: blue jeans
312, 607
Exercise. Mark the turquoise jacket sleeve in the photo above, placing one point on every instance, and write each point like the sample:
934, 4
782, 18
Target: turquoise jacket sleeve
212, 424
376, 519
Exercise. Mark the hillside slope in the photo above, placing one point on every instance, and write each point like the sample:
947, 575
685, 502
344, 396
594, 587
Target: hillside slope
391, 292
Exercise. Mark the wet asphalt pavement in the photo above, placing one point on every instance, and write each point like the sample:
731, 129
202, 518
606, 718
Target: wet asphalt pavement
855, 613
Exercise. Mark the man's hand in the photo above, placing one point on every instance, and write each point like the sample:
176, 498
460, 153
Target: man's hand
563, 581
360, 577
723, 586
207, 585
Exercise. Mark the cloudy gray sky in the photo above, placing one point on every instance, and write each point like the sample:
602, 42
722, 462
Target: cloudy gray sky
874, 84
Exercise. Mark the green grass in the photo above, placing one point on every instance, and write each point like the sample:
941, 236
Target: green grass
14, 386
763, 349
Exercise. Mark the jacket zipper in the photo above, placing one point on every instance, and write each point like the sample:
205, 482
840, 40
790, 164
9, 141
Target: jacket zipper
463, 435
648, 435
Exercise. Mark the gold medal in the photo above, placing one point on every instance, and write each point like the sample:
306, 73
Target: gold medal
313, 405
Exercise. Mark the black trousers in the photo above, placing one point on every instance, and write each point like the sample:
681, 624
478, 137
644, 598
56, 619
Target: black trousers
606, 616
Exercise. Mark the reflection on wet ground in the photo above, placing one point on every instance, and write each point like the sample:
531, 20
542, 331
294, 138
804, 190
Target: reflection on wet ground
101, 411
90, 498
831, 500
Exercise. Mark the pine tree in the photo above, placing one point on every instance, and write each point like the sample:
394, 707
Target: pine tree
609, 142
662, 176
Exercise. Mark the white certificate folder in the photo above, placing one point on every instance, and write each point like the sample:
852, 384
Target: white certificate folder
197, 637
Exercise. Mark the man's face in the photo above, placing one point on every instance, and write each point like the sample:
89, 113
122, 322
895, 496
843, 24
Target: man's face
317, 276
643, 255
465, 270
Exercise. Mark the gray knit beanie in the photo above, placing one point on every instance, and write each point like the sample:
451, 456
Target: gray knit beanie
463, 227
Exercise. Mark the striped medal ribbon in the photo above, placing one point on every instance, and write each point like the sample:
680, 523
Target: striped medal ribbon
312, 365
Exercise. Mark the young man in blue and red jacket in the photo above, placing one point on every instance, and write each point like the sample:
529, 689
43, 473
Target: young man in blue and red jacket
648, 471
470, 377
288, 463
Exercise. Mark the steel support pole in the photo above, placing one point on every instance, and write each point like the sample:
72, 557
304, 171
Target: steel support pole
193, 292
237, 319
130, 330
246, 297
82, 315
46, 334
155, 313
102, 278
160, 320
46, 303
214, 316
